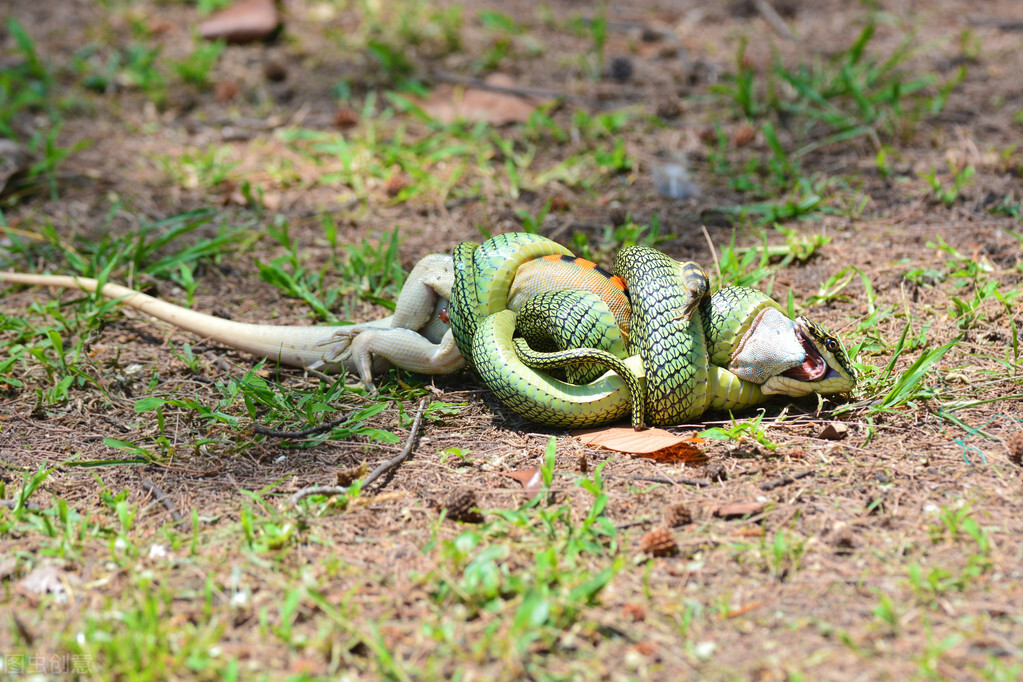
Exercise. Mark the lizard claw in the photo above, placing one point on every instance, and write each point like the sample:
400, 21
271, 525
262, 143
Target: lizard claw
342, 333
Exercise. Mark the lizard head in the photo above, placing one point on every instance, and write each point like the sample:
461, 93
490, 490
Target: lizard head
825, 368
792, 357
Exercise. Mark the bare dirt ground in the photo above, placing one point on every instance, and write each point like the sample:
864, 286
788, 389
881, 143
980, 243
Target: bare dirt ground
893, 552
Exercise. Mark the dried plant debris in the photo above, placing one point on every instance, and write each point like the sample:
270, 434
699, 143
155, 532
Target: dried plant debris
463, 505
659, 542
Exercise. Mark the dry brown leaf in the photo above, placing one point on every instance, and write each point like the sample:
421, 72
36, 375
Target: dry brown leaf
657, 444
834, 431
739, 510
531, 479
743, 610
748, 532
243, 22
448, 104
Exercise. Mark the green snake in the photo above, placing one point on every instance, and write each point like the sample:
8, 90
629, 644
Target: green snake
686, 352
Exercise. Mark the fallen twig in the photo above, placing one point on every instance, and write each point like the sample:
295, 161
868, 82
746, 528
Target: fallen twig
1004, 25
785, 480
312, 430
162, 498
771, 16
325, 490
13, 504
404, 454
695, 482
376, 473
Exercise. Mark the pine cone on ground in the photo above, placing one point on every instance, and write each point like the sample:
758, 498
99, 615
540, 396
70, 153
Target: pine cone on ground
677, 514
659, 542
462, 505
1015, 445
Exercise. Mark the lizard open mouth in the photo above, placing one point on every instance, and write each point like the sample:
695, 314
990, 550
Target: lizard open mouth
814, 367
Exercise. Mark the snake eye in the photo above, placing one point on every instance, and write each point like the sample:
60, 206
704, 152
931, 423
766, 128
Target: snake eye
831, 344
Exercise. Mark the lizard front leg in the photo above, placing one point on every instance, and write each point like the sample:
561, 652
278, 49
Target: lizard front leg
416, 338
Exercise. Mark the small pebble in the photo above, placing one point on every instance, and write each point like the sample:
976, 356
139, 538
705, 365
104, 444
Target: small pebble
716, 472
274, 71
620, 69
668, 108
616, 213
226, 91
345, 117
672, 180
743, 135
842, 538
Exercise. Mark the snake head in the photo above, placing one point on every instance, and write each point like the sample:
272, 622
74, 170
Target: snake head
825, 367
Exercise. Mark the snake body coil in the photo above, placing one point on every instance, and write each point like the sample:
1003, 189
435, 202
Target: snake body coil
682, 344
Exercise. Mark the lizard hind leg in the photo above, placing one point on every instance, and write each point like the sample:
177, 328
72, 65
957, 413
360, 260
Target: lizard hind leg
373, 349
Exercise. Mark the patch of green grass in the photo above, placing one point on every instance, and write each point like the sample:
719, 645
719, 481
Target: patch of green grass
977, 297
612, 239
289, 274
28, 88
949, 194
135, 66
852, 95
55, 338
594, 28
198, 169
195, 69
742, 431
461, 160
136, 639
374, 271
785, 553
888, 614
1008, 206
398, 35
526, 576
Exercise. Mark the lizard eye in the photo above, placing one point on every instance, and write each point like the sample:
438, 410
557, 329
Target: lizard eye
831, 344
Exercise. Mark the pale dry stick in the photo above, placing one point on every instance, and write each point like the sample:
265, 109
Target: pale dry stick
713, 251
695, 482
376, 473
162, 498
519, 91
997, 23
771, 16
785, 480
13, 504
